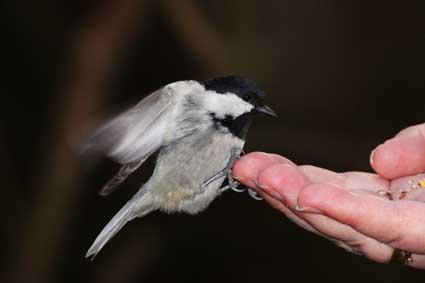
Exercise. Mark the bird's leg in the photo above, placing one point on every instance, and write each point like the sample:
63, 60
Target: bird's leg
223, 189
233, 185
254, 194
226, 171
234, 155
217, 176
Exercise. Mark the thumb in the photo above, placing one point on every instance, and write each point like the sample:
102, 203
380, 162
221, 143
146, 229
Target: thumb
402, 155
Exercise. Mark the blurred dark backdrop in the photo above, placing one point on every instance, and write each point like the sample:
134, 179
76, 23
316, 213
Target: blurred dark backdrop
343, 76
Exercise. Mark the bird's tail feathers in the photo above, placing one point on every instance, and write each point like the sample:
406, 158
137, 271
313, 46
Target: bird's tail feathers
136, 207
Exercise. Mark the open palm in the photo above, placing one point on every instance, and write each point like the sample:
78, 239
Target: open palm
367, 214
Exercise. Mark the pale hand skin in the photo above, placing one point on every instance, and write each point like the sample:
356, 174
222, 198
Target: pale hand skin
349, 208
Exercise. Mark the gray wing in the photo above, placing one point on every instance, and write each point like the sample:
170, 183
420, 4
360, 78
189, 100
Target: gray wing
133, 136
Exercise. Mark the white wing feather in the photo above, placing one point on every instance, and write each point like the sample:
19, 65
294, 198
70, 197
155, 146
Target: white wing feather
136, 133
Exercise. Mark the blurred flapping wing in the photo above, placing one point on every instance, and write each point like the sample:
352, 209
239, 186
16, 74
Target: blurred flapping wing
134, 135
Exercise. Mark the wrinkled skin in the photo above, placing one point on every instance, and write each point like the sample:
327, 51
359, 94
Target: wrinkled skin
351, 209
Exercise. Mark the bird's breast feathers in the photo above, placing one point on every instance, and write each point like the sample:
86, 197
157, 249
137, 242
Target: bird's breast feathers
184, 166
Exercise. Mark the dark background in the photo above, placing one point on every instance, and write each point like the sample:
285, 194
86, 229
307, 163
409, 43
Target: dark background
342, 75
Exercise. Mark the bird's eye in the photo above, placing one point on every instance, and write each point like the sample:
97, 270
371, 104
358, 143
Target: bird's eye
247, 97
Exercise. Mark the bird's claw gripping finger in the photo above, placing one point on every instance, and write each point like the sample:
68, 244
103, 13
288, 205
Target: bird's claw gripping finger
227, 172
234, 155
254, 194
234, 185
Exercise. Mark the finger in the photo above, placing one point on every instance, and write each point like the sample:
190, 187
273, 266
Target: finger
418, 261
248, 167
402, 155
400, 224
285, 182
353, 181
247, 170
411, 130
282, 181
321, 175
361, 181
341, 235
280, 206
354, 241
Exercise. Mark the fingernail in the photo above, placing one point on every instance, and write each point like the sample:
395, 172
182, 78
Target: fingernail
239, 178
307, 209
414, 133
371, 156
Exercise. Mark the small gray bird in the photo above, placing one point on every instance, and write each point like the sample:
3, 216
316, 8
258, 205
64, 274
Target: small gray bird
198, 129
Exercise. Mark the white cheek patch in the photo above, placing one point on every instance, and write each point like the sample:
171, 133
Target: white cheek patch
225, 104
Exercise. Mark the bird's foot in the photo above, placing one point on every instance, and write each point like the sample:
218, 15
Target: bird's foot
234, 155
232, 184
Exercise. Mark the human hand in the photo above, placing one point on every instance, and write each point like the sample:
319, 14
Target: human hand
352, 209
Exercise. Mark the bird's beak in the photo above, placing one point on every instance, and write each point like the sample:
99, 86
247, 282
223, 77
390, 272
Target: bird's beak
266, 110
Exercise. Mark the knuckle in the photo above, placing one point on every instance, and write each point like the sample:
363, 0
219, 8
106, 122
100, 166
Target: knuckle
348, 247
257, 155
270, 175
306, 197
394, 237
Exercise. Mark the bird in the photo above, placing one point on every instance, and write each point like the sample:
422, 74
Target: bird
197, 129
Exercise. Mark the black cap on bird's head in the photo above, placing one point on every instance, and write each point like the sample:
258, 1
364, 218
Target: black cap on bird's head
245, 89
